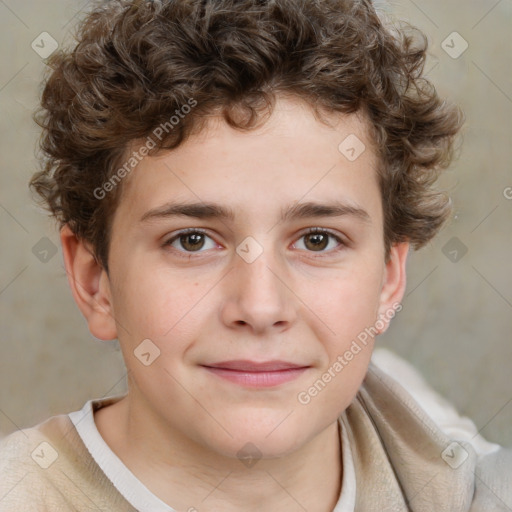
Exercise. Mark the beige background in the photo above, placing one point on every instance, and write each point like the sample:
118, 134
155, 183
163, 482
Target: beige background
457, 317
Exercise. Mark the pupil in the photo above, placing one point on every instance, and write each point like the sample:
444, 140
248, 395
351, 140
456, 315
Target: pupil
320, 241
196, 243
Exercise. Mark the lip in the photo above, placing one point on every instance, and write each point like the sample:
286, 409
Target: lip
256, 374
245, 365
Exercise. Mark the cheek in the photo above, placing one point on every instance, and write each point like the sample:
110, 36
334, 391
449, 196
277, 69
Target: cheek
156, 305
348, 304
349, 309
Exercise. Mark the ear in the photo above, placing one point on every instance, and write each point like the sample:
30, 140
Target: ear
89, 284
393, 285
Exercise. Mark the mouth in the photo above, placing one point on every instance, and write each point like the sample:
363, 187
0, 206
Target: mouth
257, 375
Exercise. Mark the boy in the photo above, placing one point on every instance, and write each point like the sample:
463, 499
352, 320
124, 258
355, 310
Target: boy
238, 185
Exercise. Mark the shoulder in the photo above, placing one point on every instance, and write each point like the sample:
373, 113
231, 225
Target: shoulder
48, 467
493, 482
412, 436
25, 458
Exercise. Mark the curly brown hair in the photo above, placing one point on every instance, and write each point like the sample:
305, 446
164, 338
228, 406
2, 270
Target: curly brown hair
136, 63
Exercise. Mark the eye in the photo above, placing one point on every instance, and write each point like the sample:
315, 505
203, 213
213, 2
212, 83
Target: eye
317, 240
190, 240
194, 239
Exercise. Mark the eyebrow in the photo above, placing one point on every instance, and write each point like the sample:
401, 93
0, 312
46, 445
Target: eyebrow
292, 212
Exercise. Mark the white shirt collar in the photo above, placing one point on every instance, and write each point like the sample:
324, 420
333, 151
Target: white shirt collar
142, 499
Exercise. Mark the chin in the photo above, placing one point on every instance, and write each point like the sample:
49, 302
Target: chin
253, 442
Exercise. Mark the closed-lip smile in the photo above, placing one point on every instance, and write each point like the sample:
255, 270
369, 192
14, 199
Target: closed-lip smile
257, 374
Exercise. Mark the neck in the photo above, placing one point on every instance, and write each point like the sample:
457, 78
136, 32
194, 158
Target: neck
189, 476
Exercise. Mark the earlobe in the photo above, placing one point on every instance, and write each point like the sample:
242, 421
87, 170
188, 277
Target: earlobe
89, 284
394, 283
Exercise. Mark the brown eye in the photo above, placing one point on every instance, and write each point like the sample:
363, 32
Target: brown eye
316, 241
189, 241
192, 242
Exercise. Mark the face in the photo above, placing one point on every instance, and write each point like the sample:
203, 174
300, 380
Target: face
243, 313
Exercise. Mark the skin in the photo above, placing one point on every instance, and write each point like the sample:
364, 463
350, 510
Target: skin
179, 429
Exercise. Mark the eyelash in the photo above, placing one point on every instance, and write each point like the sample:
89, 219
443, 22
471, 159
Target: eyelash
189, 254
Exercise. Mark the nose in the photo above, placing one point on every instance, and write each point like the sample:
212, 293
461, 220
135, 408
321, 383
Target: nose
258, 297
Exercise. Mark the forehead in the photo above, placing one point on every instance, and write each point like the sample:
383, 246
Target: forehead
292, 156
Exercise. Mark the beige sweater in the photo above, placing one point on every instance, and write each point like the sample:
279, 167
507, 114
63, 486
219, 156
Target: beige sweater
403, 462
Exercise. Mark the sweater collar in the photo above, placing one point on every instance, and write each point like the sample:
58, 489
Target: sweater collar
403, 461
